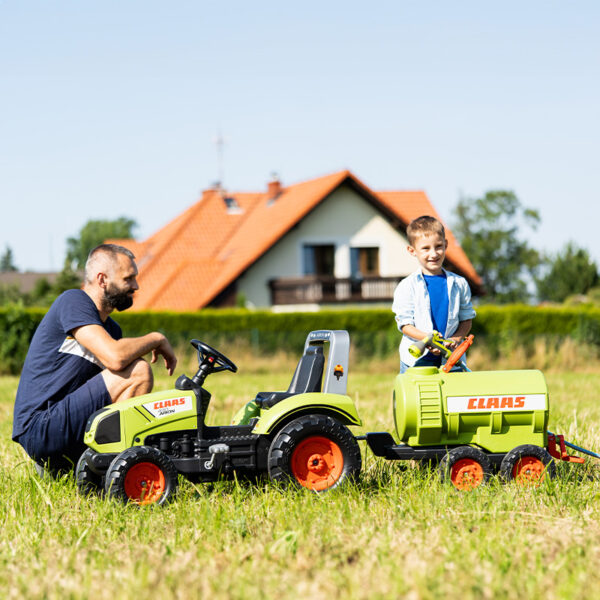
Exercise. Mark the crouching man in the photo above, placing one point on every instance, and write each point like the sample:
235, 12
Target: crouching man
79, 362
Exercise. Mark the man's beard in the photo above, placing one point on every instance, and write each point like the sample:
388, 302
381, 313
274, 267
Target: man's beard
114, 298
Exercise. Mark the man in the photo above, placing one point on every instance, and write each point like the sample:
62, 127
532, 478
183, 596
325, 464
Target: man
78, 361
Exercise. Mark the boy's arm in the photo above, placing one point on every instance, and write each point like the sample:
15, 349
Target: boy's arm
412, 332
461, 332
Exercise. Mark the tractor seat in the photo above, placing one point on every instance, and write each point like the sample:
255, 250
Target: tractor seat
307, 378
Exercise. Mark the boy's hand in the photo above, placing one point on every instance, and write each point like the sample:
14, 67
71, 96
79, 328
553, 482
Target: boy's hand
454, 342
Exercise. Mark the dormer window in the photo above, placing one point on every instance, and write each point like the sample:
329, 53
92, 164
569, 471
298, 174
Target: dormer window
232, 206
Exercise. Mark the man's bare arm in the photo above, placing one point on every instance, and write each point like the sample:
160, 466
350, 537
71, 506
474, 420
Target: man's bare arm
115, 355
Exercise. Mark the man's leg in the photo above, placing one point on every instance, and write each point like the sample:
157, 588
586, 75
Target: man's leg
55, 436
135, 380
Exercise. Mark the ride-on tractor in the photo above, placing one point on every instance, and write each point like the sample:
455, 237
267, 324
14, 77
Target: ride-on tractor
471, 423
138, 447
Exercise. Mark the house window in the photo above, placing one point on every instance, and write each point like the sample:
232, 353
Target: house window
232, 206
318, 259
364, 262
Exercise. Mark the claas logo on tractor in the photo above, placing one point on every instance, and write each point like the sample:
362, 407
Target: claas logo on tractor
170, 406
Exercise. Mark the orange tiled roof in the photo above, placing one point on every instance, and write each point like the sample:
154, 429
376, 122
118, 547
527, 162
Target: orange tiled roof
187, 263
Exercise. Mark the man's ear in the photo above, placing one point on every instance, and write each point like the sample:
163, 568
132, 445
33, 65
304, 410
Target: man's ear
410, 250
101, 280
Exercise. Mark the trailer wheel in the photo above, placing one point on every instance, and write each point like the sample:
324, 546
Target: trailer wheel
315, 452
527, 465
142, 475
88, 482
466, 468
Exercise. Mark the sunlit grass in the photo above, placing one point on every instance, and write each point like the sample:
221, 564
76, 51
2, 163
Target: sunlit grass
397, 533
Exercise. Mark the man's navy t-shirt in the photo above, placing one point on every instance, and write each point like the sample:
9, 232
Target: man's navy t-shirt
437, 287
56, 363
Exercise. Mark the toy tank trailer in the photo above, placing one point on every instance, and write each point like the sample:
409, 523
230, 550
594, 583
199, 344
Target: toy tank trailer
471, 423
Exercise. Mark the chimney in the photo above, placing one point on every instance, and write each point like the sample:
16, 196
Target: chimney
274, 188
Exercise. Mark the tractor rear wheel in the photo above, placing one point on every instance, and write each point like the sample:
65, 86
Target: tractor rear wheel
466, 468
142, 475
88, 482
315, 452
527, 465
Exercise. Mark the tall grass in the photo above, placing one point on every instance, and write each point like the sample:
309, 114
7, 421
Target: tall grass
397, 533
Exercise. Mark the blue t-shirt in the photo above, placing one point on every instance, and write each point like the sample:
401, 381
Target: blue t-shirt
56, 364
437, 288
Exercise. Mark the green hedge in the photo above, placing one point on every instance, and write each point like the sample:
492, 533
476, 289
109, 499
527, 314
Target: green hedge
373, 332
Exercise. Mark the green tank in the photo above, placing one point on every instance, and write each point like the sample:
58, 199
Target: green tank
495, 410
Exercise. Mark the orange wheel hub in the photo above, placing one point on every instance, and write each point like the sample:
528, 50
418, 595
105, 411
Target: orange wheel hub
529, 470
466, 474
144, 483
317, 463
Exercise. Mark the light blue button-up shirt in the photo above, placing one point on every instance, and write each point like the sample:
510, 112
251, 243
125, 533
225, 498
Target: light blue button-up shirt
412, 307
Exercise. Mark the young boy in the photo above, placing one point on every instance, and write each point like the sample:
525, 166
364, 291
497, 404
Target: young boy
431, 298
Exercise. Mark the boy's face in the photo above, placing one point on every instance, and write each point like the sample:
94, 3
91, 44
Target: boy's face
430, 250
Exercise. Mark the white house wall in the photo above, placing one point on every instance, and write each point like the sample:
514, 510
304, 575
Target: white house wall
344, 220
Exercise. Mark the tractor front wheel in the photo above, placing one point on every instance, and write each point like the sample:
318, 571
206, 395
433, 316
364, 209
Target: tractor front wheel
142, 475
466, 468
527, 465
88, 482
315, 452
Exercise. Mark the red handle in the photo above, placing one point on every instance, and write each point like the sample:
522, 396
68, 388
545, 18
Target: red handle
457, 354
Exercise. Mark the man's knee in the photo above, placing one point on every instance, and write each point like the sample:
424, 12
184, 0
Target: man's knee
141, 372
135, 380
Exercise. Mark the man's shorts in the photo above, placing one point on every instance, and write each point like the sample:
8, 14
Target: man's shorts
55, 436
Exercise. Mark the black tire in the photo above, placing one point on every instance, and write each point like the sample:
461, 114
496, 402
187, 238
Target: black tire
527, 464
88, 482
466, 468
142, 475
314, 452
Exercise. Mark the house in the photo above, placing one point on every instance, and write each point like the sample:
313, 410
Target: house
25, 282
329, 240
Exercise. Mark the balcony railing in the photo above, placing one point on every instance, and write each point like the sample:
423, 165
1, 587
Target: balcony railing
328, 290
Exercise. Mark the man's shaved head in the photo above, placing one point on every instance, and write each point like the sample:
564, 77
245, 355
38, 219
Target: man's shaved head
103, 258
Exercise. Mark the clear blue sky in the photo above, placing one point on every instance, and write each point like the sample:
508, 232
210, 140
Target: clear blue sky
111, 108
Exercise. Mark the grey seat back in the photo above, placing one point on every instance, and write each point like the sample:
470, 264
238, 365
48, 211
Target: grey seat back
308, 375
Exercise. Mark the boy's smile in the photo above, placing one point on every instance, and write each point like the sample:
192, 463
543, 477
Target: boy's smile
430, 250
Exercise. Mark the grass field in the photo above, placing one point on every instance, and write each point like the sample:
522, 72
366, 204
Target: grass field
397, 533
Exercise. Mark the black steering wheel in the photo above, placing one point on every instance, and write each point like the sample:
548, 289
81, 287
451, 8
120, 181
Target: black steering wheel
212, 357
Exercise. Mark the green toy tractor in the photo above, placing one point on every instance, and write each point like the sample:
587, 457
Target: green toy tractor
137, 448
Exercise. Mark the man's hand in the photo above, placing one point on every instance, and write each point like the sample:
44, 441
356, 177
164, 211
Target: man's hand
166, 351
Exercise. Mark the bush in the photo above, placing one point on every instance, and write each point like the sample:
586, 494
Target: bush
373, 332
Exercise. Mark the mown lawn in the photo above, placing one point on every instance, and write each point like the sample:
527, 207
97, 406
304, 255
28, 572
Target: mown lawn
397, 533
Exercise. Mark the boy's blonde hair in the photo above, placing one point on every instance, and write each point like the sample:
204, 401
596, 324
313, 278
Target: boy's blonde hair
422, 226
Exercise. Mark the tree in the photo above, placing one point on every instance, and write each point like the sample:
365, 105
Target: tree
6, 261
570, 272
92, 234
489, 230
67, 279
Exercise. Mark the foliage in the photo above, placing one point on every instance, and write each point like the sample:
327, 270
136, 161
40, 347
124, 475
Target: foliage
92, 234
6, 261
17, 325
373, 332
570, 272
489, 230
67, 280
